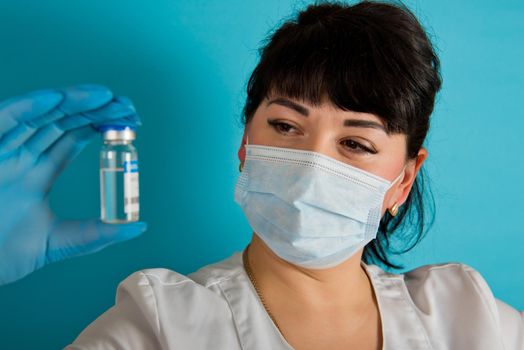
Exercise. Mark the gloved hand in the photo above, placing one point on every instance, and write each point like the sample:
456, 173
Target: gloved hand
40, 133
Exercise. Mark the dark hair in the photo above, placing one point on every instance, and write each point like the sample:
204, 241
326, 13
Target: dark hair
368, 57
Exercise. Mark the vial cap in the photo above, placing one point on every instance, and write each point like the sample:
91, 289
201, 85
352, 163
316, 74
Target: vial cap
117, 132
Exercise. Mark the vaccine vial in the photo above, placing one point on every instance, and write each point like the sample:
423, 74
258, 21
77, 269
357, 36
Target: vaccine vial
118, 175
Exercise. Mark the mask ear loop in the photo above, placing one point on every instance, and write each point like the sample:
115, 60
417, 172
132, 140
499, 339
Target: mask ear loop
398, 177
394, 209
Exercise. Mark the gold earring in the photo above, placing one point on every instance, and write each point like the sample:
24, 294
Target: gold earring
393, 210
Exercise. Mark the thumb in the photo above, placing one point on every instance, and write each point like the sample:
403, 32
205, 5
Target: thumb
75, 238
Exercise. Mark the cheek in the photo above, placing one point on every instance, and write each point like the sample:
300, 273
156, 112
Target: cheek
392, 157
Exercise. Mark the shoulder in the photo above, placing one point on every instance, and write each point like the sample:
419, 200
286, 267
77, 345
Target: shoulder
457, 296
443, 279
221, 271
164, 287
162, 306
454, 287
441, 284
448, 280
204, 278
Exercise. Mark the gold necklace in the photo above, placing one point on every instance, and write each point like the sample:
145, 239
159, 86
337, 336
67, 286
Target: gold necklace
254, 281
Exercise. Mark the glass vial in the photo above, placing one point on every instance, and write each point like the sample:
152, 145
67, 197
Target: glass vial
118, 175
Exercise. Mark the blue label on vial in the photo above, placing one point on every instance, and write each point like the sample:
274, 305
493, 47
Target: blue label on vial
131, 167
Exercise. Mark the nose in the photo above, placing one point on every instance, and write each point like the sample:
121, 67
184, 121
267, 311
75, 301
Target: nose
324, 143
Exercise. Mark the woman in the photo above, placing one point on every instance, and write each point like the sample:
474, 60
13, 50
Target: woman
336, 114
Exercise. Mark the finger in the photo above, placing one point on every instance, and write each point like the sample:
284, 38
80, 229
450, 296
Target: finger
43, 138
14, 164
25, 145
120, 112
46, 118
23, 131
109, 112
14, 138
83, 98
38, 108
74, 238
59, 154
48, 135
132, 120
54, 148
27, 107
125, 112
42, 168
125, 101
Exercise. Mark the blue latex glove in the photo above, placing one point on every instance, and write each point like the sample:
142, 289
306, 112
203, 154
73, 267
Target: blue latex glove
40, 133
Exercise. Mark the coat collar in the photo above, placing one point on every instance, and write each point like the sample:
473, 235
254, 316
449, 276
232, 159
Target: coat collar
401, 326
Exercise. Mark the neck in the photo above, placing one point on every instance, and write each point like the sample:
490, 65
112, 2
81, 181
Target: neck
345, 285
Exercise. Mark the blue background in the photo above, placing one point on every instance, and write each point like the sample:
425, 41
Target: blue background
185, 65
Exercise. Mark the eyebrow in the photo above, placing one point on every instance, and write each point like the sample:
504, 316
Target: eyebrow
359, 123
290, 104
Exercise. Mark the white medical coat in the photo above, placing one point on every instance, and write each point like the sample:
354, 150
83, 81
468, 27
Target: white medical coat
446, 306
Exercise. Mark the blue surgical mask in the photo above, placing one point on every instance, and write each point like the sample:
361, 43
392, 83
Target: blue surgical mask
310, 209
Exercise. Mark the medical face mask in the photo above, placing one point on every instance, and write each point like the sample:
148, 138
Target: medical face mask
310, 209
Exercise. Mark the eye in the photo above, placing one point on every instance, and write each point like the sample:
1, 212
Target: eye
357, 147
281, 127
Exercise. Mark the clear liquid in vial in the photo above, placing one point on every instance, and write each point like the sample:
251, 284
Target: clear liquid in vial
112, 194
119, 192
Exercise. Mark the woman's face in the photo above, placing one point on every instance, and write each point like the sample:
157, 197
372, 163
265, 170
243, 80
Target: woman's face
358, 139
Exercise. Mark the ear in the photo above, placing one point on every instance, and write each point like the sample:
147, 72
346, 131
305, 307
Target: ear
242, 149
410, 174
